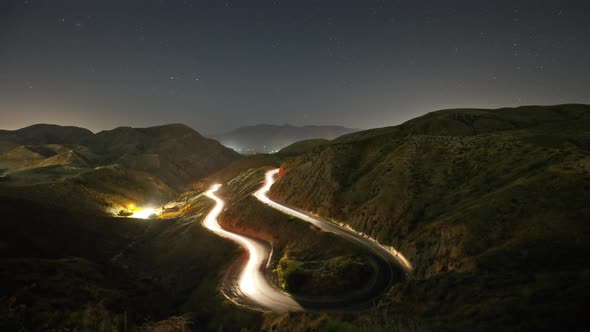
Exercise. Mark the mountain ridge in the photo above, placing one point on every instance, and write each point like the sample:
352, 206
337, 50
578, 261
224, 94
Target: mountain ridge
176, 143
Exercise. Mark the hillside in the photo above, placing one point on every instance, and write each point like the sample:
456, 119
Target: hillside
176, 154
302, 147
64, 269
489, 206
264, 138
46, 134
66, 263
72, 168
484, 203
313, 264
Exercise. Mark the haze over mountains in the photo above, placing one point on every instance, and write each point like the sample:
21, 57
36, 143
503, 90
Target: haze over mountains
265, 138
489, 206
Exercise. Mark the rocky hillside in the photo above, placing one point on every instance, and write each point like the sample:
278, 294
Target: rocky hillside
473, 198
264, 138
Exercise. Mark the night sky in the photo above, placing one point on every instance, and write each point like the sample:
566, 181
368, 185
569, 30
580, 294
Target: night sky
217, 65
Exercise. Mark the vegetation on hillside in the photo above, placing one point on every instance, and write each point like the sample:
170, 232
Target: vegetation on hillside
490, 206
311, 264
302, 147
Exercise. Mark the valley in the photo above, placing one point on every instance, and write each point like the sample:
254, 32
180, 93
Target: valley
450, 221
294, 166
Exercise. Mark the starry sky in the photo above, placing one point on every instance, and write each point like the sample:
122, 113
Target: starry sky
216, 65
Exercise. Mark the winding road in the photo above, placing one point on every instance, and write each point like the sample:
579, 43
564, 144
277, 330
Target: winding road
251, 282
328, 226
255, 288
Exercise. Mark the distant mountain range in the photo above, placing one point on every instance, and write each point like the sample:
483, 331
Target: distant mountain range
265, 138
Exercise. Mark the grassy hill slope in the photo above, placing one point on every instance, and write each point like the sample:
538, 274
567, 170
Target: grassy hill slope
67, 264
484, 203
66, 269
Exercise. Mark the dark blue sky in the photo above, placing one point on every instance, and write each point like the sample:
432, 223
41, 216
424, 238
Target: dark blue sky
216, 65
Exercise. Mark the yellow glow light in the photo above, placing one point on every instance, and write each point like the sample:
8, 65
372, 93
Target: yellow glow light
145, 213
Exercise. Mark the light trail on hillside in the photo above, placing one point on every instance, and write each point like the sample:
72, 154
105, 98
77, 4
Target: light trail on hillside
251, 281
385, 252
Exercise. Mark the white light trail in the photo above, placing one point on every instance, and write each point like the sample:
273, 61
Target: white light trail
339, 229
251, 281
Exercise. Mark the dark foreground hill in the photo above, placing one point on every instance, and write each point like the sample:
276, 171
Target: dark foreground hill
266, 138
66, 270
66, 263
490, 206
